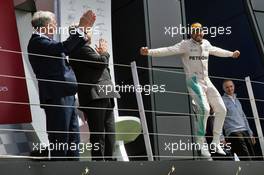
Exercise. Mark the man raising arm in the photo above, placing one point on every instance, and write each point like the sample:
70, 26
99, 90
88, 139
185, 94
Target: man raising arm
195, 54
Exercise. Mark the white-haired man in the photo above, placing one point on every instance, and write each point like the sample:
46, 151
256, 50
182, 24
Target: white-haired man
47, 58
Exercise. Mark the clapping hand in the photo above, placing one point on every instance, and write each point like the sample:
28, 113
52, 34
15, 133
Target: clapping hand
102, 48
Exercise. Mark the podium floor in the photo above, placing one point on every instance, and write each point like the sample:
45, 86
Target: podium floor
21, 167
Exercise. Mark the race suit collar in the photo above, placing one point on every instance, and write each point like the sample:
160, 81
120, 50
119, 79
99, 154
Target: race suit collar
197, 42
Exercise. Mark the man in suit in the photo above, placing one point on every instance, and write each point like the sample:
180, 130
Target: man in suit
100, 95
47, 58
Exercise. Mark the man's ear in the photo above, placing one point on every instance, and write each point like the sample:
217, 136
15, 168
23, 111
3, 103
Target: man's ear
223, 87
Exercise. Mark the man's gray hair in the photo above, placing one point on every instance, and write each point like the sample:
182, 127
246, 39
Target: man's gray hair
41, 18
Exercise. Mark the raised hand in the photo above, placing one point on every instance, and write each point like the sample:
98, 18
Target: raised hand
87, 20
144, 51
236, 54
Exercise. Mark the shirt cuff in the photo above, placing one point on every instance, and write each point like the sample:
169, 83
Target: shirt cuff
150, 52
82, 33
250, 133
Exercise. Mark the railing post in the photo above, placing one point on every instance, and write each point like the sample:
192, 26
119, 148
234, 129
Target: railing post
255, 113
142, 112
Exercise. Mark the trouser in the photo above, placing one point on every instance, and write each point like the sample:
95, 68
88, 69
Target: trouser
101, 123
63, 119
242, 145
204, 94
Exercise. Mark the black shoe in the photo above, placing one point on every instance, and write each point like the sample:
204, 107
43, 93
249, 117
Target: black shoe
43, 155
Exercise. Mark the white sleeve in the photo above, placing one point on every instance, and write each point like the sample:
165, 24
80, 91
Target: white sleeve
168, 51
216, 51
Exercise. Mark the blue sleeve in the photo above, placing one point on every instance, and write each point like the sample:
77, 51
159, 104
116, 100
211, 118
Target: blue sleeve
247, 125
246, 121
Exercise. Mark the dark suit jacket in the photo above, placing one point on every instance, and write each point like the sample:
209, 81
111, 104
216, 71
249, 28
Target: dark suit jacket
51, 68
92, 73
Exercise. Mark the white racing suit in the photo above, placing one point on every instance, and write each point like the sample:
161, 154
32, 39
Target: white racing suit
203, 92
